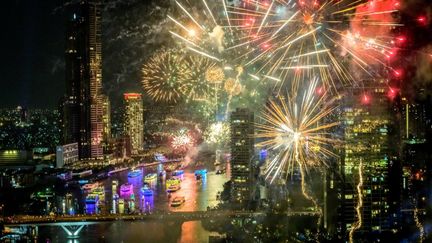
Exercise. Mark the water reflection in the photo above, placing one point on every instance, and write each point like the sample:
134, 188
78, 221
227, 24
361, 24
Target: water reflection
199, 193
138, 194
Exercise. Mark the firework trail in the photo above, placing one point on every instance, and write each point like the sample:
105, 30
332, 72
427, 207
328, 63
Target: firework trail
309, 197
419, 225
358, 224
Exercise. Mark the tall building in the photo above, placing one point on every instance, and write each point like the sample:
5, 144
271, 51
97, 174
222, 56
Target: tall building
82, 105
66, 154
414, 121
134, 120
106, 118
368, 141
242, 152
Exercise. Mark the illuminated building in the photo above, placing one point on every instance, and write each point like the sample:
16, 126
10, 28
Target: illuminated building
66, 154
242, 151
416, 169
414, 121
106, 119
82, 105
368, 141
134, 124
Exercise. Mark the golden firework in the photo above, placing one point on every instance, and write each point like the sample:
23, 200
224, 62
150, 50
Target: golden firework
215, 75
232, 87
162, 76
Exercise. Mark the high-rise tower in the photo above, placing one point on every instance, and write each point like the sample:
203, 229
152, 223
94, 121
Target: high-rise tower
83, 109
134, 120
242, 151
368, 155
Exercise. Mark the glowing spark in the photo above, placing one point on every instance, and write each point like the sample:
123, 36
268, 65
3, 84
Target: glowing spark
188, 14
265, 17
272, 78
303, 67
204, 54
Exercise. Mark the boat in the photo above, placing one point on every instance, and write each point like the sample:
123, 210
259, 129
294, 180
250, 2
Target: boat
150, 177
173, 188
172, 181
121, 205
126, 188
98, 190
201, 172
92, 199
134, 173
83, 174
178, 173
146, 191
90, 186
117, 170
177, 201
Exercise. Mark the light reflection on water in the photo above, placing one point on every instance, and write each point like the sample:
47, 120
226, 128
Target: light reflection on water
199, 194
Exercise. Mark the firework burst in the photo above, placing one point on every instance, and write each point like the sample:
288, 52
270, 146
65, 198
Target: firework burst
217, 133
195, 85
182, 140
295, 129
163, 76
276, 39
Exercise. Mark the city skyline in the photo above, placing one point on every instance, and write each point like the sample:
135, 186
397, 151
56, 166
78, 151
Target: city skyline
217, 121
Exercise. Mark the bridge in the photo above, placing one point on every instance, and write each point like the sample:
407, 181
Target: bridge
73, 224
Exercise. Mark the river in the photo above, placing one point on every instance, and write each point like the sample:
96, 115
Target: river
199, 194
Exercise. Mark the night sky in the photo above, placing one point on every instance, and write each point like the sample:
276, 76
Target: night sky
32, 63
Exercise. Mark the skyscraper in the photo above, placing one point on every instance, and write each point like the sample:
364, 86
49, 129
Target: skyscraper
242, 151
106, 104
134, 120
82, 103
368, 130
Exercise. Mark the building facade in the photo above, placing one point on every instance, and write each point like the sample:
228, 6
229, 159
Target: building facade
106, 104
134, 120
82, 104
66, 154
368, 155
242, 152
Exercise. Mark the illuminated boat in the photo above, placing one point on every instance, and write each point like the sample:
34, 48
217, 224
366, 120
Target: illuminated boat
172, 181
178, 201
178, 173
114, 185
121, 205
100, 191
126, 188
173, 188
134, 173
150, 177
201, 172
90, 186
92, 199
146, 191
